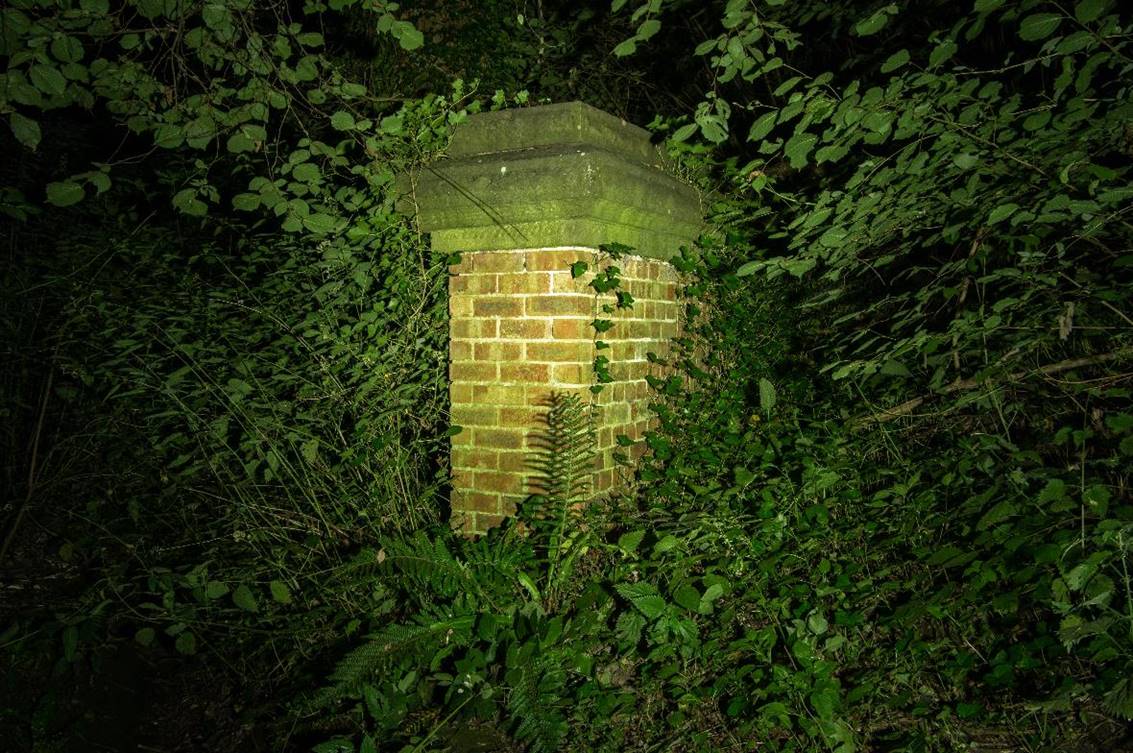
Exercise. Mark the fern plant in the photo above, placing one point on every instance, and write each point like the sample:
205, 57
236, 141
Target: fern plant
482, 623
563, 471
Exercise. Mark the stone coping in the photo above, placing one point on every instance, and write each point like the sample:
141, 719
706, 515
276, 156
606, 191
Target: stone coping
554, 175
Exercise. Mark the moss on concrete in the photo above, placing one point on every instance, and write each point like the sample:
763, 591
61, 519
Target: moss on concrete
549, 176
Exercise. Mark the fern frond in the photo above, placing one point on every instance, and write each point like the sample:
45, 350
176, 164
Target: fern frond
564, 467
429, 564
536, 694
388, 645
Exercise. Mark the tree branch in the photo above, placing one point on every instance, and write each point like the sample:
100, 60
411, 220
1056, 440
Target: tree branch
961, 385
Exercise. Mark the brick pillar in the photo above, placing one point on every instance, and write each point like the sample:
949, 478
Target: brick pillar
525, 195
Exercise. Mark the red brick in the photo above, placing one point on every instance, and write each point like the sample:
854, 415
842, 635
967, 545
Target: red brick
460, 350
504, 483
572, 373
471, 371
541, 396
472, 284
497, 261
557, 261
525, 373
502, 439
560, 305
529, 329
463, 439
524, 282
521, 416
475, 415
509, 504
498, 394
565, 282
559, 351
475, 458
572, 329
482, 502
497, 351
497, 306
460, 306
486, 522
514, 462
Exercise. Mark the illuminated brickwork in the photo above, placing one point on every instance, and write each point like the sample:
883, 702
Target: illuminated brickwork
522, 328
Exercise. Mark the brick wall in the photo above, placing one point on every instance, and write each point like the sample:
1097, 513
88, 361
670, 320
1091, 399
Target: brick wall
521, 329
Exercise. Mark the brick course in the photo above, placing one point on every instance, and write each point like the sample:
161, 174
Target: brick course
521, 330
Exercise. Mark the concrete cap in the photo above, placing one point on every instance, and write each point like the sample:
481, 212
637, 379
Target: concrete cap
554, 175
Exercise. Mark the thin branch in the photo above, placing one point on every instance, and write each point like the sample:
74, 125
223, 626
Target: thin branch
890, 414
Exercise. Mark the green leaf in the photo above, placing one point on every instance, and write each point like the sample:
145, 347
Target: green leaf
168, 136
644, 597
965, 161
1054, 491
307, 172
626, 48
767, 396
215, 589
833, 238
145, 636
578, 269
895, 61
1002, 212
342, 121
407, 35
668, 543
320, 223
762, 126
100, 181
713, 127
25, 130
682, 133
1000, 512
688, 597
825, 701
246, 202
628, 542
817, 623
648, 28
711, 594
310, 450
873, 24
799, 148
986, 6
1078, 577
240, 142
1039, 26
280, 592
749, 268
1090, 10
186, 643
47, 79
65, 193
243, 598
942, 52
186, 200
67, 49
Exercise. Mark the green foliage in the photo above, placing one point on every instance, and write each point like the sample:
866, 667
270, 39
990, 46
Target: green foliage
886, 503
